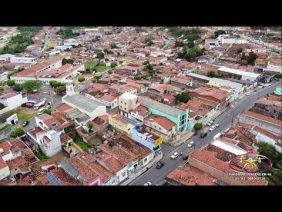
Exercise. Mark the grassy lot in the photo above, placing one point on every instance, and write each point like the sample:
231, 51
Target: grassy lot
83, 145
24, 114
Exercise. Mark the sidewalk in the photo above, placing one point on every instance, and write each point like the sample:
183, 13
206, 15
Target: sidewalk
144, 169
183, 138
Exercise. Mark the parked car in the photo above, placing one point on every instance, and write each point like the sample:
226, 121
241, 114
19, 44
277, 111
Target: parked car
148, 184
203, 135
212, 128
160, 164
190, 144
185, 157
174, 155
217, 125
28, 104
25, 123
231, 106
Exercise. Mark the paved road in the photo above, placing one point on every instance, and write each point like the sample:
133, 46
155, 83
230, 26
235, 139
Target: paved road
157, 176
47, 92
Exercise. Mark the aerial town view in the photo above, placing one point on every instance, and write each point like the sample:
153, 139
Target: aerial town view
140, 106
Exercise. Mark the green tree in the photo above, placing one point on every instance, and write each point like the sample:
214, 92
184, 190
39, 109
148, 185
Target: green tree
190, 44
113, 64
2, 106
113, 45
81, 79
1, 89
251, 58
47, 111
278, 75
31, 85
183, 97
149, 41
276, 158
53, 83
219, 32
96, 38
60, 89
148, 67
179, 43
16, 132
19, 42
67, 32
211, 74
10, 83
239, 51
65, 61
100, 55
198, 126
89, 65
17, 87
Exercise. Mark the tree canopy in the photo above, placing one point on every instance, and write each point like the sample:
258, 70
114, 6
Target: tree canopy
183, 97
19, 42
17, 132
198, 126
31, 85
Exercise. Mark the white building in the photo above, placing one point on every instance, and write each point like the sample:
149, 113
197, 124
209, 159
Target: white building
236, 150
226, 38
15, 59
109, 100
4, 168
84, 104
48, 141
239, 74
12, 100
236, 88
275, 66
128, 101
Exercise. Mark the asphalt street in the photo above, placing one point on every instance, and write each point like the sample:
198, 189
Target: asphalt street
157, 176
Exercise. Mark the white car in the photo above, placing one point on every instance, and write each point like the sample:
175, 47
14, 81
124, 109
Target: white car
190, 144
212, 128
217, 125
247, 94
174, 155
231, 106
148, 184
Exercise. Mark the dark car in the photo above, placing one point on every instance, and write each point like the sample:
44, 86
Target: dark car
28, 104
160, 164
184, 157
203, 135
25, 123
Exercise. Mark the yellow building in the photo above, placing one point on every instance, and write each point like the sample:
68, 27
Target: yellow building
117, 122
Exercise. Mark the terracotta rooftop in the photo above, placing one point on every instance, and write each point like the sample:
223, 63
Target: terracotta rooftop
263, 118
216, 93
8, 95
63, 108
162, 121
141, 110
190, 176
3, 164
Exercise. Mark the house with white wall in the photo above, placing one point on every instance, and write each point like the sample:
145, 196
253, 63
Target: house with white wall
83, 103
4, 168
12, 100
